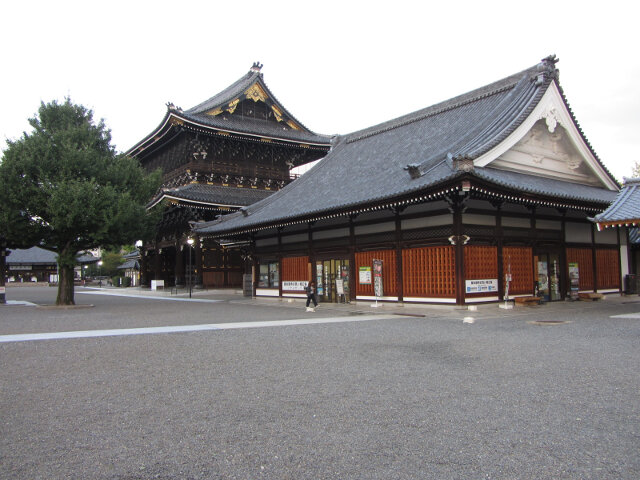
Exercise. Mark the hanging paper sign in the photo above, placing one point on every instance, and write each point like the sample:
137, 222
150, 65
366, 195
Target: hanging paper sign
574, 277
365, 275
339, 287
377, 277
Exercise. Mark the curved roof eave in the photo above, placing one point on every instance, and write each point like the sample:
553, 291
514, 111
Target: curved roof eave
151, 138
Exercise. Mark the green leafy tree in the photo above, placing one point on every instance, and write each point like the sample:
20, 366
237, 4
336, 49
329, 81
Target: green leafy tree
64, 188
110, 263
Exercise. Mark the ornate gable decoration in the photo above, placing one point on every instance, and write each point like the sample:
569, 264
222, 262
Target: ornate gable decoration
256, 93
546, 150
549, 144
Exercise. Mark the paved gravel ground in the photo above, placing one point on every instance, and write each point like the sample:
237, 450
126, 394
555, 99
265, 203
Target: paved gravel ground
395, 398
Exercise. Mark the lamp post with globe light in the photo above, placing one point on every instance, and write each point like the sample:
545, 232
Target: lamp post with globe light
100, 273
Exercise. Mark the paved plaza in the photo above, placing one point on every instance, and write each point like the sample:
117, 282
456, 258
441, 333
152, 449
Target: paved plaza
221, 386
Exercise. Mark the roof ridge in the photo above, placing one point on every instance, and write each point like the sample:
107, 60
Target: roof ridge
486, 91
238, 88
226, 94
502, 124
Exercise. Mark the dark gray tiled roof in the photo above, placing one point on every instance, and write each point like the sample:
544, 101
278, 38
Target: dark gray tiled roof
228, 94
214, 194
247, 125
33, 256
234, 123
40, 256
626, 206
129, 264
255, 127
370, 165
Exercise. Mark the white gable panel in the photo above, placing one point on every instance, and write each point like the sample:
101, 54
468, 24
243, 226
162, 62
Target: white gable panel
548, 144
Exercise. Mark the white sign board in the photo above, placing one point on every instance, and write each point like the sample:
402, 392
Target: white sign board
2, 290
481, 286
339, 287
157, 284
294, 286
365, 275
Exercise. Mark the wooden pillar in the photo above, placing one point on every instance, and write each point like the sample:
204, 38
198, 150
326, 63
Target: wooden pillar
179, 267
311, 252
157, 265
459, 250
620, 269
279, 232
144, 267
594, 257
198, 263
256, 273
398, 242
499, 245
564, 266
352, 259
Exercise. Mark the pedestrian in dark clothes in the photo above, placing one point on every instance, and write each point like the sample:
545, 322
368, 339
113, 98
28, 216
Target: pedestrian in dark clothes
311, 294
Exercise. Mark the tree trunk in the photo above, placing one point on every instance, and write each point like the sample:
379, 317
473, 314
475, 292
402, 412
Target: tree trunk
65, 287
3, 264
66, 264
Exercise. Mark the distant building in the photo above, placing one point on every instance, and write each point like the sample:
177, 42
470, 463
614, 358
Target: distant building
131, 267
36, 264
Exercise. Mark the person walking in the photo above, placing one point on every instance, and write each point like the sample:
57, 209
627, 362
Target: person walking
311, 296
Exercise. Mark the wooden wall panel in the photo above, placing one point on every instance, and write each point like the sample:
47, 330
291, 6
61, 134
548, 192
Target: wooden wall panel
295, 269
584, 258
521, 260
213, 279
607, 268
480, 262
389, 282
429, 272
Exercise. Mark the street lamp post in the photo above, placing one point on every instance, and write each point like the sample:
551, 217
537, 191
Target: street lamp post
190, 242
100, 273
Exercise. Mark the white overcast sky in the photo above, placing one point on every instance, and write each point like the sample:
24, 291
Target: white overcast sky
338, 66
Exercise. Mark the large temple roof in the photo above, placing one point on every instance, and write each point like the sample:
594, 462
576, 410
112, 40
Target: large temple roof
246, 107
625, 209
205, 195
429, 149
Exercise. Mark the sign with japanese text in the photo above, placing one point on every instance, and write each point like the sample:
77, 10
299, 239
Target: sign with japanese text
481, 286
365, 275
294, 286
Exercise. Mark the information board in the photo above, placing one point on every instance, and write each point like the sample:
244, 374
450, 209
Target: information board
365, 275
481, 286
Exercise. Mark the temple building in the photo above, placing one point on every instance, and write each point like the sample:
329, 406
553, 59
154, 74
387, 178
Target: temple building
485, 196
624, 211
228, 152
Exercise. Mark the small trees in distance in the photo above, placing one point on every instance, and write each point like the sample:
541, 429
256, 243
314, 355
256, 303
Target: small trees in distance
64, 188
